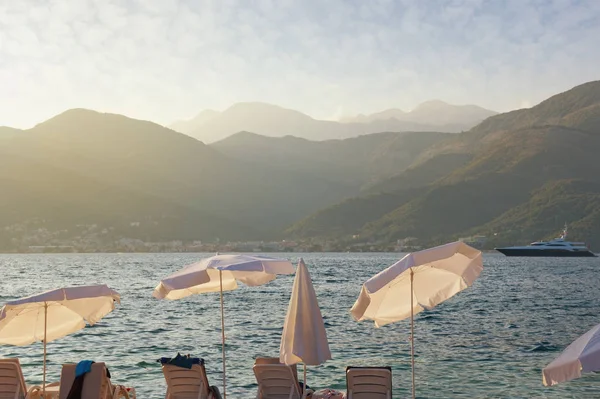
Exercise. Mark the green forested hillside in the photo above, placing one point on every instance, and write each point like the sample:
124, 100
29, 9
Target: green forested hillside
491, 173
358, 162
515, 177
575, 201
87, 167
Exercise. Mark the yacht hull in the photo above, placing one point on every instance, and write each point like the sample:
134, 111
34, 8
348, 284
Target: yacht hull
545, 253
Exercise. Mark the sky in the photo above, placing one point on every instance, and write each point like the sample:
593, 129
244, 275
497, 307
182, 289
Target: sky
165, 60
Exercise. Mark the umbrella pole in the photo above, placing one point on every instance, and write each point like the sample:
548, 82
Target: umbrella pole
412, 333
45, 332
304, 385
223, 336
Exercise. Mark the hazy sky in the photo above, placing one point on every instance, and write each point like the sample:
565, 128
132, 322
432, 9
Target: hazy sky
167, 59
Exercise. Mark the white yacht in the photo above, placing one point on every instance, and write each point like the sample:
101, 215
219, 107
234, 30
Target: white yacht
559, 247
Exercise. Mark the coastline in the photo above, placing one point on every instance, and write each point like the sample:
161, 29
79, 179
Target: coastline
485, 251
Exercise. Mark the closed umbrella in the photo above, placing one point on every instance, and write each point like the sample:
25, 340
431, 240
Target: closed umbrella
581, 356
421, 280
304, 339
221, 273
54, 314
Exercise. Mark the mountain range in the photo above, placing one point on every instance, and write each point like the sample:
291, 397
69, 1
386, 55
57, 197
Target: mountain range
514, 177
142, 180
270, 120
434, 112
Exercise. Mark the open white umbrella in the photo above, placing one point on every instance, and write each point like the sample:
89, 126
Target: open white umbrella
421, 280
54, 314
582, 355
304, 339
221, 273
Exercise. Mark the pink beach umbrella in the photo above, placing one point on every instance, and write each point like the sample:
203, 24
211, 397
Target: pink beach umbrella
304, 339
54, 314
421, 280
581, 356
221, 273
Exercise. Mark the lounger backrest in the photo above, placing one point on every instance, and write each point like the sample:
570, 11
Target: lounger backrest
276, 381
12, 383
185, 383
369, 382
96, 384
275, 360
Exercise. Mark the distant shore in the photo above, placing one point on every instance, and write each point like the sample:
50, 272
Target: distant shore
203, 252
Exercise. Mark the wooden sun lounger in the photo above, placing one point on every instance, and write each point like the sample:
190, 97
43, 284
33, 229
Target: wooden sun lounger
369, 383
276, 380
12, 382
96, 384
183, 383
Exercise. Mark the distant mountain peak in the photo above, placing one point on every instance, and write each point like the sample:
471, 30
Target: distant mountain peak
432, 112
74, 116
255, 104
87, 116
258, 109
434, 103
189, 125
277, 121
437, 104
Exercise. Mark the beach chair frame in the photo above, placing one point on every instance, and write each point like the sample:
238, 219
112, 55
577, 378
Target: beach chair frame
282, 372
97, 375
379, 378
10, 369
182, 378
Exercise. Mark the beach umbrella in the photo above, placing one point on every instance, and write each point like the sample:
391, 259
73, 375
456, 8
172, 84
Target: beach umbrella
221, 273
54, 314
304, 339
581, 356
420, 280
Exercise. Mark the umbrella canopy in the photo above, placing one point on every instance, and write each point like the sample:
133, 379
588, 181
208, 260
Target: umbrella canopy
68, 310
205, 275
221, 273
581, 356
304, 339
419, 281
438, 274
54, 314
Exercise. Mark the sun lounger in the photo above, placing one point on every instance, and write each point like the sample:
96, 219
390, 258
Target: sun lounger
12, 383
96, 384
276, 380
188, 383
369, 382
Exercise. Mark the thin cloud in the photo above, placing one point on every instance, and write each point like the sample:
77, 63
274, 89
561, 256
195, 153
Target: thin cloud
162, 60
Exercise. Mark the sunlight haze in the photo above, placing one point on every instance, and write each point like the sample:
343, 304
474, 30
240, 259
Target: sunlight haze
168, 60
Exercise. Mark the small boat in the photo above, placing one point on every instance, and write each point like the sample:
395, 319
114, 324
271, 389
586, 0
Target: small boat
558, 247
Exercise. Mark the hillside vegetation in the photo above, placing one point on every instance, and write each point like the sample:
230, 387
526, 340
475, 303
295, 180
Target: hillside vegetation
140, 180
515, 177
475, 181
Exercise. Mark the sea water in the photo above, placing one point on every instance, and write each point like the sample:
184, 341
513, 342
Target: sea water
489, 341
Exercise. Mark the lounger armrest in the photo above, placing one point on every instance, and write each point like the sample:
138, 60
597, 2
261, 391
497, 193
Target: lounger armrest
214, 393
33, 390
121, 392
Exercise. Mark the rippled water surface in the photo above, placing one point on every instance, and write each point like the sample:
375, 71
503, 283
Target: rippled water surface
490, 341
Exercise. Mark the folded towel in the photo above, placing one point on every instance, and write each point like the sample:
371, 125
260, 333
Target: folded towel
181, 361
84, 366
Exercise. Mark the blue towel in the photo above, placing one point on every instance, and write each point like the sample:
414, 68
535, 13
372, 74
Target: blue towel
84, 366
